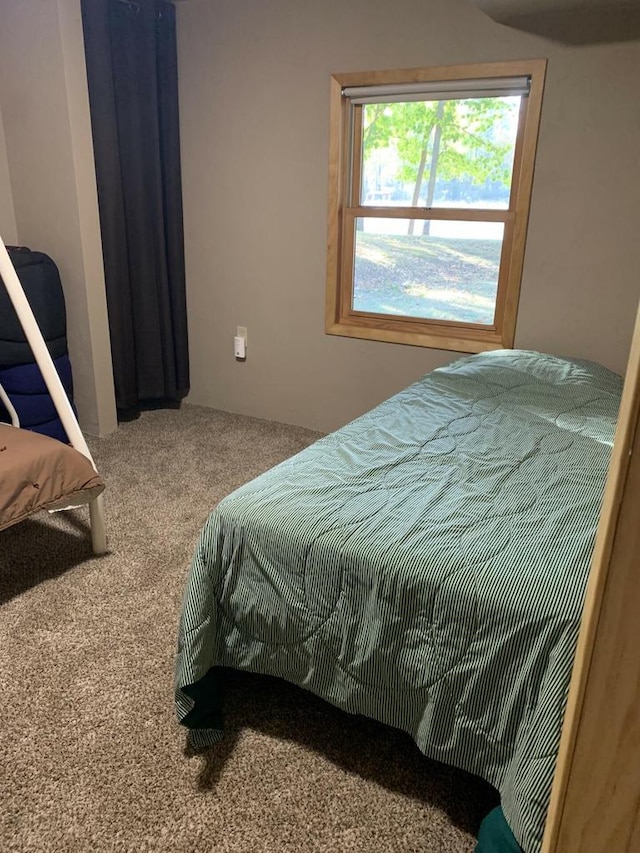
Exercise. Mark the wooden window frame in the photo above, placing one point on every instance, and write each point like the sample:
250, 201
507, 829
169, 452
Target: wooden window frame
340, 318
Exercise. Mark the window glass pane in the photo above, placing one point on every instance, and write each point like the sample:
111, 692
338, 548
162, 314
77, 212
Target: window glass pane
450, 153
427, 269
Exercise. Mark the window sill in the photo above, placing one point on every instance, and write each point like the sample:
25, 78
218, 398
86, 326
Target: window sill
458, 339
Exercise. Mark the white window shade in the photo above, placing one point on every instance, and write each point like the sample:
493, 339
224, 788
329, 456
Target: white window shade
439, 90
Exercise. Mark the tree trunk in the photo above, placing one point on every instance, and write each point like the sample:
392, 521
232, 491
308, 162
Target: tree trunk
418, 185
433, 168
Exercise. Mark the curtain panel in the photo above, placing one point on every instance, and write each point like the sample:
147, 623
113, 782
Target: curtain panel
131, 59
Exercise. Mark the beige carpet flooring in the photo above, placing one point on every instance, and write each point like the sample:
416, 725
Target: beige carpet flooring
91, 757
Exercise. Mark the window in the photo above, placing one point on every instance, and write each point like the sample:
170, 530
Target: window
430, 181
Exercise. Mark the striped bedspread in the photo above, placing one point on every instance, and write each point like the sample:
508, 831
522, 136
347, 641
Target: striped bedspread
424, 565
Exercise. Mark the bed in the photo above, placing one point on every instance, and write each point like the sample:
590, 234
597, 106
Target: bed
425, 565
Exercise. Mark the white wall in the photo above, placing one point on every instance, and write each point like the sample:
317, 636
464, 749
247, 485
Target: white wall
7, 214
582, 281
254, 82
49, 152
254, 126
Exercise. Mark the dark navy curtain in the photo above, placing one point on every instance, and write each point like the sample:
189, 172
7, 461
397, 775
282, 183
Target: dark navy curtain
131, 57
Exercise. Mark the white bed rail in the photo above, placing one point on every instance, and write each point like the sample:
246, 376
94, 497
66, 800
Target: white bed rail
54, 386
4, 399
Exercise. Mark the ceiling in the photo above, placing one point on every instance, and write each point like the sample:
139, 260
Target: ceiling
577, 22
571, 22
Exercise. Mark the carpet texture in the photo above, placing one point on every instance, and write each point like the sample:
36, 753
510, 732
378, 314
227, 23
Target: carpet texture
92, 758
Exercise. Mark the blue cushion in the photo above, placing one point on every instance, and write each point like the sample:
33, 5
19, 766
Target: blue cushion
26, 388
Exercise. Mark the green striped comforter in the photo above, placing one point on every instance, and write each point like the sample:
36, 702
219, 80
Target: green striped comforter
425, 566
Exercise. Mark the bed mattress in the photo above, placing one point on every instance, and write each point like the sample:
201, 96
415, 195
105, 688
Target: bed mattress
425, 566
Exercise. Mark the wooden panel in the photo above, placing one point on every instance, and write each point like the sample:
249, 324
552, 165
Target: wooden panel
506, 271
452, 340
524, 162
335, 201
635, 836
456, 214
443, 72
356, 164
596, 793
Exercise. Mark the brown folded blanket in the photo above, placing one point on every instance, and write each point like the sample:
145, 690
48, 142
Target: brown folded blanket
38, 472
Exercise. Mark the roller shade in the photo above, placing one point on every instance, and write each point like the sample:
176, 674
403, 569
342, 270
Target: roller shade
439, 90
